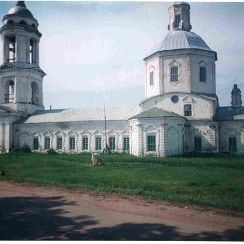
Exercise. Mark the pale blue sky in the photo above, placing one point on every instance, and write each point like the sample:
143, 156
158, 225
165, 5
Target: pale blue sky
93, 52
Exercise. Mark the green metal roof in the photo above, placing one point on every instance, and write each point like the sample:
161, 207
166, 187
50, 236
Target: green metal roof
155, 113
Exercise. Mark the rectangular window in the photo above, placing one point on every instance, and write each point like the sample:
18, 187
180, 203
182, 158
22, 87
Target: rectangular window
197, 144
85, 143
126, 143
35, 143
47, 143
174, 73
111, 141
98, 145
151, 78
59, 143
187, 110
177, 20
232, 144
203, 74
72, 143
151, 143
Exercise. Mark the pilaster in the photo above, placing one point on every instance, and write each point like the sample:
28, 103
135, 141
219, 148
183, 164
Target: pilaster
162, 139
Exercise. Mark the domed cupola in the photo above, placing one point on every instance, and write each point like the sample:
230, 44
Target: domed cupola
20, 15
180, 35
20, 10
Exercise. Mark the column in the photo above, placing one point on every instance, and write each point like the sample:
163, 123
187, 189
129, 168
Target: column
36, 52
5, 49
7, 138
140, 139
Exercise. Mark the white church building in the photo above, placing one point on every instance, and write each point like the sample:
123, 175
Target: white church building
180, 112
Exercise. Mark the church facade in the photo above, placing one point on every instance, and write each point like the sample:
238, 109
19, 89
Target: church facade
180, 112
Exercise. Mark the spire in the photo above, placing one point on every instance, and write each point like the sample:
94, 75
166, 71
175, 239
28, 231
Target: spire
20, 4
179, 17
236, 97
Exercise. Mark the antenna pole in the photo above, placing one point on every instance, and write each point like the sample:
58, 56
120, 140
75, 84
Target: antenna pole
105, 126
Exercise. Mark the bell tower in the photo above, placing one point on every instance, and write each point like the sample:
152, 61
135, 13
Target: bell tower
21, 78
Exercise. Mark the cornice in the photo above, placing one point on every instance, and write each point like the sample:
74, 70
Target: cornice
7, 67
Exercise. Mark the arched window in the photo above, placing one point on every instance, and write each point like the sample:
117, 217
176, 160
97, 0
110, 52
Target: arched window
31, 51
202, 71
175, 72
22, 22
34, 93
11, 49
10, 22
9, 92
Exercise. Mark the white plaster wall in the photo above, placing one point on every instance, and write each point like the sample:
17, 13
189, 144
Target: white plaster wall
231, 129
183, 63
119, 129
151, 65
174, 136
202, 108
166, 143
188, 62
7, 133
135, 138
209, 86
207, 130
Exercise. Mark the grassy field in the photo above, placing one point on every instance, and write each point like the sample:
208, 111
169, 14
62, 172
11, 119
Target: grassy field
216, 181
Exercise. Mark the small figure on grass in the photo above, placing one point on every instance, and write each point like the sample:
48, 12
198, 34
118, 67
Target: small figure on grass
96, 159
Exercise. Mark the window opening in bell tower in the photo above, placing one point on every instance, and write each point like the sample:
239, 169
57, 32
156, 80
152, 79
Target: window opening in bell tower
177, 20
35, 93
11, 46
31, 51
9, 93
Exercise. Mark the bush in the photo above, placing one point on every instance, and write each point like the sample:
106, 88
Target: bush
24, 149
51, 151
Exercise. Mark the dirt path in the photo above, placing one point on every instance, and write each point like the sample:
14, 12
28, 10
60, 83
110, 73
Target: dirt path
33, 213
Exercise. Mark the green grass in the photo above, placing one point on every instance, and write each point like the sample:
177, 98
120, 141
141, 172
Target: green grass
215, 181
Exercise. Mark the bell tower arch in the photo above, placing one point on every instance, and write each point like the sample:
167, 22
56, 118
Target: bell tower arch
21, 78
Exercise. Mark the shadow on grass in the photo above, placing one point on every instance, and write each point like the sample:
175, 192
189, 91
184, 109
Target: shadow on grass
35, 218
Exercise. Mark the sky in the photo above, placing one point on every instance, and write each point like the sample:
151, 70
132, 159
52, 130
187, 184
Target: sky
92, 52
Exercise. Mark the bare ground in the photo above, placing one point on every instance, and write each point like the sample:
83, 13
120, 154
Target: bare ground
30, 212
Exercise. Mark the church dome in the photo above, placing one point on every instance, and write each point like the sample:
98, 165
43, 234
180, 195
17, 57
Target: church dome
21, 10
181, 40
180, 35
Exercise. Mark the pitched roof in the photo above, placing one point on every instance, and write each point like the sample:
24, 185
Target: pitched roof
180, 40
230, 113
82, 114
155, 113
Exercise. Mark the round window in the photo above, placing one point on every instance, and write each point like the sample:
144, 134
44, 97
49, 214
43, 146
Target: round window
174, 99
